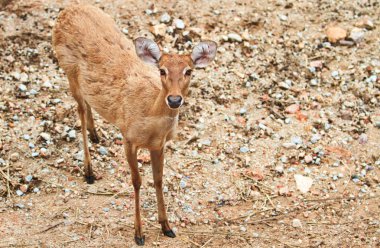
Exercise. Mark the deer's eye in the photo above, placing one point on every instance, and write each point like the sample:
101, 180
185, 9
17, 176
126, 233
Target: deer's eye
188, 72
162, 72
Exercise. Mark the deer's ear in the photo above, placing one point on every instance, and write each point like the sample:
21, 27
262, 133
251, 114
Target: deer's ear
203, 53
147, 50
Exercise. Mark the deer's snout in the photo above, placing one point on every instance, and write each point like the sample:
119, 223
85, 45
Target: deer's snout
174, 101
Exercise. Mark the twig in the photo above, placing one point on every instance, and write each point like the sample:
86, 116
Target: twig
50, 227
208, 241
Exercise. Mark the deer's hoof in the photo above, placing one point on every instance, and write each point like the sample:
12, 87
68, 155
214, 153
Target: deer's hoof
169, 233
90, 179
140, 241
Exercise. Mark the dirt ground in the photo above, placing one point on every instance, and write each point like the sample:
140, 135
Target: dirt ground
280, 103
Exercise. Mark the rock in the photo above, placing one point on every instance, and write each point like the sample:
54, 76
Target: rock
363, 139
296, 223
289, 145
366, 22
24, 77
303, 183
284, 85
26, 137
316, 64
165, 18
292, 109
178, 23
45, 136
14, 157
182, 183
24, 188
335, 74
29, 178
244, 149
106, 210
315, 138
308, 159
79, 156
22, 88
335, 34
125, 30
357, 35
72, 134
19, 192
47, 84
159, 29
297, 140
234, 37
102, 150
282, 17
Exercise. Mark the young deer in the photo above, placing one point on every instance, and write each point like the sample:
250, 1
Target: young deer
107, 74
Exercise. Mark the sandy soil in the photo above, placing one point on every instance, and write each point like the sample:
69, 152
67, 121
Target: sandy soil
230, 174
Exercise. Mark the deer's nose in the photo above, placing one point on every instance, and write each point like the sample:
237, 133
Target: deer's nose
174, 101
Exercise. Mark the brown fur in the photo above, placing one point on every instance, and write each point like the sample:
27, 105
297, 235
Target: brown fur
105, 74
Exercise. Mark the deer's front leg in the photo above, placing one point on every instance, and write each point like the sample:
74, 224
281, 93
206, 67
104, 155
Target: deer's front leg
131, 153
157, 158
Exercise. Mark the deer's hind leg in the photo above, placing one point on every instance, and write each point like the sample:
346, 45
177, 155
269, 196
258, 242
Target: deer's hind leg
91, 126
83, 110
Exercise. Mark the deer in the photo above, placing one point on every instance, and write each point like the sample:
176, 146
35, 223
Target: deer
132, 85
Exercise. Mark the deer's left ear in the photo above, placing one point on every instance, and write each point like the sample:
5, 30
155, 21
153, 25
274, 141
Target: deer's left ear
203, 53
147, 50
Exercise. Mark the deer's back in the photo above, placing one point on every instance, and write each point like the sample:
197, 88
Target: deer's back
111, 77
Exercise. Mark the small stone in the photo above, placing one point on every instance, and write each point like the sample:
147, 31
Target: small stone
292, 109
255, 235
22, 88
244, 149
335, 34
15, 156
315, 138
19, 192
243, 111
35, 154
314, 82
26, 137
79, 155
335, 74
47, 84
29, 178
45, 136
282, 17
102, 150
36, 190
182, 183
24, 188
366, 22
72, 134
92, 189
106, 210
357, 35
297, 140
165, 18
296, 223
303, 183
234, 37
20, 205
243, 229
289, 145
284, 85
178, 23
125, 30
159, 29
363, 139
308, 159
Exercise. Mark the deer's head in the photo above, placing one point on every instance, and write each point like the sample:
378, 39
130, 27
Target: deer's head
175, 70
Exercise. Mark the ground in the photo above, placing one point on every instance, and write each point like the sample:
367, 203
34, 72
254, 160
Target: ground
280, 101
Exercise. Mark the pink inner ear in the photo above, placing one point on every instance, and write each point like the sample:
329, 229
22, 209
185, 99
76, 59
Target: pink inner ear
203, 53
147, 50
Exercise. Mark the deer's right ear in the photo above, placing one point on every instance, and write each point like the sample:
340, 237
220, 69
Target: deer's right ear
147, 50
